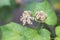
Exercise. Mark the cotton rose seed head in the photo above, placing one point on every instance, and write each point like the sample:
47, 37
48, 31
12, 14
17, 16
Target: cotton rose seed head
41, 16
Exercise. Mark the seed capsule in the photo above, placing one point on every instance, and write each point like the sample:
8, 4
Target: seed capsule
41, 16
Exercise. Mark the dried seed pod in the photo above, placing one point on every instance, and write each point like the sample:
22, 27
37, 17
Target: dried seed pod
41, 16
26, 17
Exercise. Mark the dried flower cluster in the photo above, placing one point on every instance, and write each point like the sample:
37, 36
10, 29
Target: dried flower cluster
27, 19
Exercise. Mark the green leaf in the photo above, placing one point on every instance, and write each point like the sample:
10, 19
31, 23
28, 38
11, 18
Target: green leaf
11, 32
57, 31
14, 31
57, 38
52, 17
44, 33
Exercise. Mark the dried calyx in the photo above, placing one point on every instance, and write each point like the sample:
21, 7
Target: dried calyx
26, 17
41, 16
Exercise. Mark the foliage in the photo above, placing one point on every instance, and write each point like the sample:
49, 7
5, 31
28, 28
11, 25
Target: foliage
14, 31
57, 30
